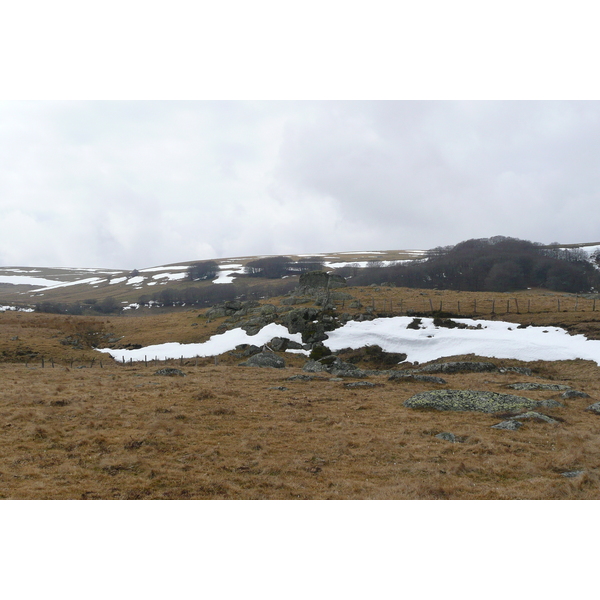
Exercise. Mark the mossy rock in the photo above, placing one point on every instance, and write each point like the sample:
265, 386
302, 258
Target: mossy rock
469, 400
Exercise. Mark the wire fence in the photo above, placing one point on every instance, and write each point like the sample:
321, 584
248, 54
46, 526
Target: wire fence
474, 307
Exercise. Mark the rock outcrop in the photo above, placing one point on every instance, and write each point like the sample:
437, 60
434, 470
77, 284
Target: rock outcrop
469, 400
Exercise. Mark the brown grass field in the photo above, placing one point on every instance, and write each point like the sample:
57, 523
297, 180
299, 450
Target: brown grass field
78, 430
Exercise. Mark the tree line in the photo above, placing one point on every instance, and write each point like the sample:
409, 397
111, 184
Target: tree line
498, 264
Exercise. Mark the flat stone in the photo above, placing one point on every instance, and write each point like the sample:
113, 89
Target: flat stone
446, 436
458, 367
407, 375
510, 425
519, 370
528, 386
170, 372
572, 473
469, 400
362, 384
535, 416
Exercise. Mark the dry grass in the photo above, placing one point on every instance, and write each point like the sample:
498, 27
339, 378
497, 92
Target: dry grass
223, 432
227, 431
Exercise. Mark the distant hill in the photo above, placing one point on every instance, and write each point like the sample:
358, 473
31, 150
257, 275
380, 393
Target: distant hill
106, 290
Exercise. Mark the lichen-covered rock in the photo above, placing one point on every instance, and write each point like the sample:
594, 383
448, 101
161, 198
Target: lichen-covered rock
510, 425
265, 359
574, 394
553, 387
170, 372
458, 367
248, 349
519, 370
410, 376
469, 400
535, 416
278, 344
551, 403
594, 408
314, 366
446, 436
362, 384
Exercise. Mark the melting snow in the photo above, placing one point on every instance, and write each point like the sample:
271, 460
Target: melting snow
24, 280
496, 339
170, 276
217, 344
227, 275
135, 280
171, 268
5, 308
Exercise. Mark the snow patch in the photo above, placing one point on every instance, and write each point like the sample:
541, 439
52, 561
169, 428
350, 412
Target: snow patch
495, 339
217, 344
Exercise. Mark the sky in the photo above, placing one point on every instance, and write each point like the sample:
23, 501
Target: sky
137, 183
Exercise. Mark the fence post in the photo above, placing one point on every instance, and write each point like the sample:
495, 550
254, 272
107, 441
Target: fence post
494, 306
42, 362
558, 304
430, 304
517, 303
458, 307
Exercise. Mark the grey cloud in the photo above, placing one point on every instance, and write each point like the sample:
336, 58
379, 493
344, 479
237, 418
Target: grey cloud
133, 184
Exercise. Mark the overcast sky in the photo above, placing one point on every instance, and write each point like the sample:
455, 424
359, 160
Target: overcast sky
139, 183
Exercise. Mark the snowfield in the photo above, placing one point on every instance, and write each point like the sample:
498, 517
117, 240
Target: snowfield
494, 339
217, 344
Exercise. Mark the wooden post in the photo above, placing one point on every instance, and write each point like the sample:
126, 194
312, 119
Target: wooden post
594, 307
216, 360
507, 306
52, 362
430, 304
42, 362
493, 306
458, 307
123, 359
558, 304
93, 361
441, 304
517, 304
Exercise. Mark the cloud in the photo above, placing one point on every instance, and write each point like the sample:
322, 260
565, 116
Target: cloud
135, 184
